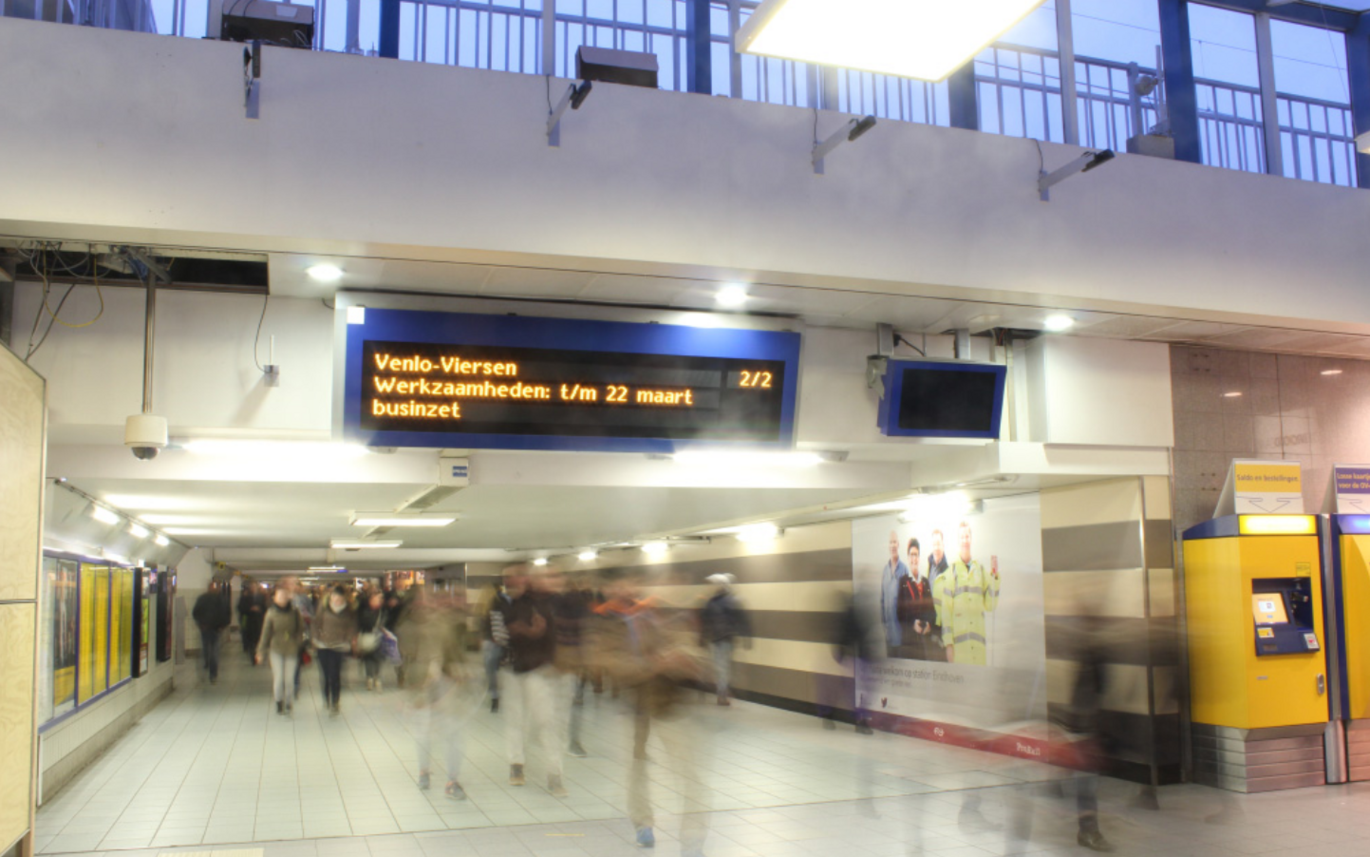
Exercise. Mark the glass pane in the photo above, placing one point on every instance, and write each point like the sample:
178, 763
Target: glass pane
1121, 31
1310, 61
100, 631
1037, 30
1224, 45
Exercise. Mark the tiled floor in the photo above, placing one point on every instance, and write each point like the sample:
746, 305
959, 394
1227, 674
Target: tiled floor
216, 766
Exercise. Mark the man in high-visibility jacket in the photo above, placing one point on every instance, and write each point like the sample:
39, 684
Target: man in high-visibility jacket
968, 593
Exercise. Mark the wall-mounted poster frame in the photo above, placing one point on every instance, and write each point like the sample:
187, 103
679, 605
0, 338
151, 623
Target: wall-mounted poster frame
88, 633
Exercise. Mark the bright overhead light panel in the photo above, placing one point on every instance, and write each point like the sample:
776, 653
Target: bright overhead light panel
924, 39
346, 545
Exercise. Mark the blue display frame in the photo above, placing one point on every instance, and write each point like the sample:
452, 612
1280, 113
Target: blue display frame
473, 329
891, 401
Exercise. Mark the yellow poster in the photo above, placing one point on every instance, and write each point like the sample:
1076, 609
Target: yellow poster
86, 670
121, 632
100, 631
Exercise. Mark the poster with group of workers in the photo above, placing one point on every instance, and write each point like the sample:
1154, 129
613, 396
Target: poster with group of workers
954, 603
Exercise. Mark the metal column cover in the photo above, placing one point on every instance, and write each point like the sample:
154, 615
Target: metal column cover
1358, 66
390, 29
965, 112
699, 49
1180, 95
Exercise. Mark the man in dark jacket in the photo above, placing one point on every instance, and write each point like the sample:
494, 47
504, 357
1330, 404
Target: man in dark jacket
721, 623
251, 606
212, 615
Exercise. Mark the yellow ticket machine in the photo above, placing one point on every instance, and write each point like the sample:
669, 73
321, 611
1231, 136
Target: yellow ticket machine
1257, 670
1350, 575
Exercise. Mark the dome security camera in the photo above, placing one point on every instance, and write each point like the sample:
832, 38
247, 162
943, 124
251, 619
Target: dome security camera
145, 435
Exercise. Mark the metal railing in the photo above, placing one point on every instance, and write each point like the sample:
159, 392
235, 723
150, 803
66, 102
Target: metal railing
1318, 140
1018, 89
1019, 92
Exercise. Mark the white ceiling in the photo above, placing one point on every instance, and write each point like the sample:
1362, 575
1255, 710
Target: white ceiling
819, 307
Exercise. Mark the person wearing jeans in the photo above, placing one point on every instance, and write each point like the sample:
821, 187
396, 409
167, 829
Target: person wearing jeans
212, 616
495, 643
282, 637
334, 634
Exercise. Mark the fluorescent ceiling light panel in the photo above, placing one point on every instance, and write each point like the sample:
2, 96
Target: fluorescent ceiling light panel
655, 548
924, 39
324, 273
259, 452
399, 519
103, 515
138, 530
587, 556
343, 544
162, 541
540, 561
326, 568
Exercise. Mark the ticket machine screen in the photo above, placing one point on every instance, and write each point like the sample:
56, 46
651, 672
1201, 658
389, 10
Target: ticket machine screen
1282, 610
1269, 608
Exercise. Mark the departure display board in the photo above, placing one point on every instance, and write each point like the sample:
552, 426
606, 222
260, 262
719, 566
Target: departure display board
432, 379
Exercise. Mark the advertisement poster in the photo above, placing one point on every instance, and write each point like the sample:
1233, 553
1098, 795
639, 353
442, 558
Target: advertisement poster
62, 577
956, 599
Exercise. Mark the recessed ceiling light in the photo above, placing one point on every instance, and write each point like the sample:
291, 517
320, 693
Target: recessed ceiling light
324, 273
587, 556
345, 545
1330, 372
655, 548
400, 519
731, 297
138, 530
758, 533
162, 540
103, 515
1058, 323
907, 38
1235, 394
540, 561
326, 568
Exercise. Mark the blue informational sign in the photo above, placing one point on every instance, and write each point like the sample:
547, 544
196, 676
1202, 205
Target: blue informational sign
459, 380
931, 399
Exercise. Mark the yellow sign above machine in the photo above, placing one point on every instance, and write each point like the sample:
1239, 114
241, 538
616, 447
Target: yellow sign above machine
1262, 488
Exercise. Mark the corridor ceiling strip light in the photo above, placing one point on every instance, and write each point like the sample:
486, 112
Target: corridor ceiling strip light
103, 515
655, 548
540, 561
286, 451
392, 519
138, 530
326, 568
705, 458
162, 541
343, 544
924, 39
758, 533
324, 273
587, 556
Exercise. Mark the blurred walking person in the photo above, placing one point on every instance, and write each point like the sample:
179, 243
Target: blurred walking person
722, 622
251, 605
334, 634
571, 610
438, 696
495, 641
532, 691
370, 626
283, 632
652, 660
211, 614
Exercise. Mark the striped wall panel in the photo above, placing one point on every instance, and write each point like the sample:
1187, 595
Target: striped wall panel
791, 590
1107, 551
